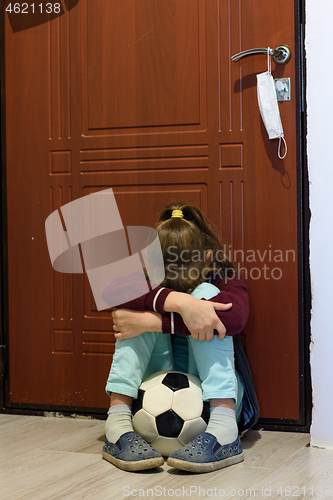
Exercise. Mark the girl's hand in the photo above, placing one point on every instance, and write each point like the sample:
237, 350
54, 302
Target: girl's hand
128, 323
199, 316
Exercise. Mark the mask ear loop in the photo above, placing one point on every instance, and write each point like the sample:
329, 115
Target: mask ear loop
269, 62
285, 148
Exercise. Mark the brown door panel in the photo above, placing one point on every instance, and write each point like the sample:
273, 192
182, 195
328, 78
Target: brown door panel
142, 96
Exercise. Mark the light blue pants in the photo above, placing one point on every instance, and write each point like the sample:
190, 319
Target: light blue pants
212, 361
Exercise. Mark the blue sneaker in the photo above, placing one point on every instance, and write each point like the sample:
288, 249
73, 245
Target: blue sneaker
206, 454
132, 453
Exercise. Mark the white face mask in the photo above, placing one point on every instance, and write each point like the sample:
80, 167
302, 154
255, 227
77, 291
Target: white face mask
269, 108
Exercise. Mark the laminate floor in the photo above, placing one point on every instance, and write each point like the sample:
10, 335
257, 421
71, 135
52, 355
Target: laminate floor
60, 458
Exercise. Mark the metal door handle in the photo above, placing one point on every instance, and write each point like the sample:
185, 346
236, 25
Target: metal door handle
281, 54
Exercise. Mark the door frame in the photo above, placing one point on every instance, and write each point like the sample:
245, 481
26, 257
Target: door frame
303, 220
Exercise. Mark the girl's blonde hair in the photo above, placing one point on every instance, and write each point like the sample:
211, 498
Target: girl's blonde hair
185, 243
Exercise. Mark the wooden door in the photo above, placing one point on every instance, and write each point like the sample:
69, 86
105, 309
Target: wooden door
142, 96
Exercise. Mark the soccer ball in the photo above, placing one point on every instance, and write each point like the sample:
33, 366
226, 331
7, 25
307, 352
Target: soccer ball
169, 411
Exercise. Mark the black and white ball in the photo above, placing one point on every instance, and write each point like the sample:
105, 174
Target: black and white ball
169, 411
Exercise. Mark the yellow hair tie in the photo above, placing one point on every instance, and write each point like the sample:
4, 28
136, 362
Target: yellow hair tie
177, 214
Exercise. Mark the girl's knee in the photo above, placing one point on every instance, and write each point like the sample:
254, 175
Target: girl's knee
205, 291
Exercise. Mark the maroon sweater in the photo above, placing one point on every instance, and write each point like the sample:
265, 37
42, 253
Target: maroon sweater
231, 290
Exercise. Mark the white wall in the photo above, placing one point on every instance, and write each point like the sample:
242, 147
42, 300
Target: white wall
318, 43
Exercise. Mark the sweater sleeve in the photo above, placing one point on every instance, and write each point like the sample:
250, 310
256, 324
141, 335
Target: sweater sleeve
233, 290
134, 292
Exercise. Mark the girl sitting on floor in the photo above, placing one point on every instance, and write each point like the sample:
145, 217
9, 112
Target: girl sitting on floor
200, 344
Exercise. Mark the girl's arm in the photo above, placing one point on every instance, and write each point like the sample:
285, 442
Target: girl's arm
189, 315
233, 291
200, 316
